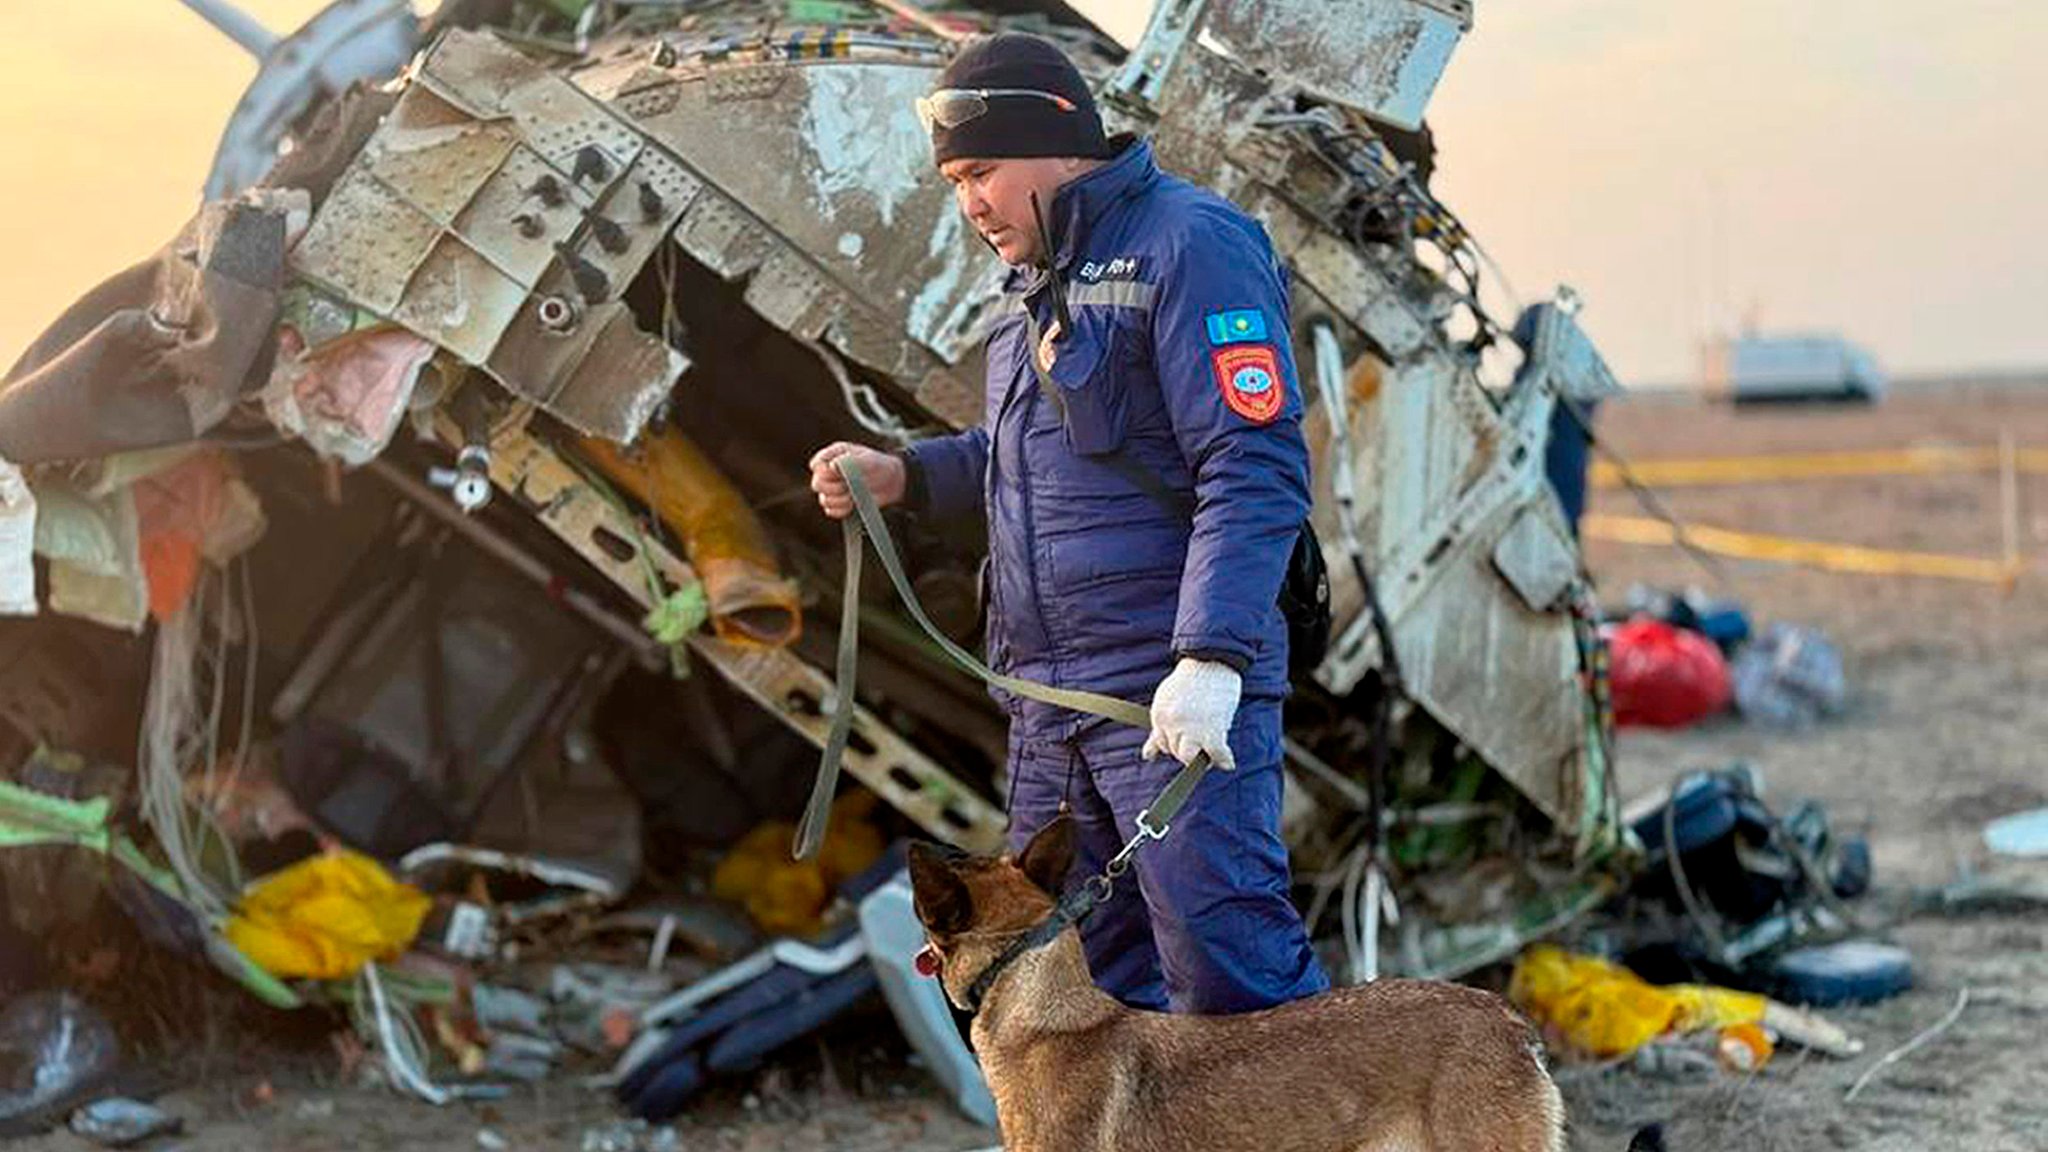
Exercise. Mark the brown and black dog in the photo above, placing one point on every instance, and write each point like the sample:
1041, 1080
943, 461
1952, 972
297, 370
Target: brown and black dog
1394, 1066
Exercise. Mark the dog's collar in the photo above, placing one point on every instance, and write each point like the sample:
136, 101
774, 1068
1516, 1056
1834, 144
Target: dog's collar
1071, 909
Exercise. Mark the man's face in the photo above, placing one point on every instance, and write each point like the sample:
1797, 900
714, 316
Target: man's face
995, 196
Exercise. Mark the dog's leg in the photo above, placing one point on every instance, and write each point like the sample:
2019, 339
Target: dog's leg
1513, 1106
1553, 1114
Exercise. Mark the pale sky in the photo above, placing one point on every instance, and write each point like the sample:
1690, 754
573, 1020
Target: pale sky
1871, 166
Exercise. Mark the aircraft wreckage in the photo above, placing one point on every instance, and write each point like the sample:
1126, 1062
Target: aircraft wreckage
418, 483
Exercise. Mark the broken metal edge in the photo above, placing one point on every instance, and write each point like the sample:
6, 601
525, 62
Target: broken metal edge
790, 688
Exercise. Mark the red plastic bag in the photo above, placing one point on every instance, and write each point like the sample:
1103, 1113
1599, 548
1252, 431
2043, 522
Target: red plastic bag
1664, 677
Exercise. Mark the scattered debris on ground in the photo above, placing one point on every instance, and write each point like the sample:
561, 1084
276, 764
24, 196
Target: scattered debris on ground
423, 626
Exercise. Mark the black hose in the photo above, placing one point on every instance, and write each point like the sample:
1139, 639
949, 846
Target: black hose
1392, 685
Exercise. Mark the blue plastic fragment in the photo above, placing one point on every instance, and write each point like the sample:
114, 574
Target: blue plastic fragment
1847, 972
2021, 834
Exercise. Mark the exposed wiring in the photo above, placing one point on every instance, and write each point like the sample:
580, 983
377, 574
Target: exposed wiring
1817, 882
1397, 205
861, 401
176, 730
1925, 1037
1649, 500
399, 1036
1695, 908
1366, 898
1403, 191
216, 792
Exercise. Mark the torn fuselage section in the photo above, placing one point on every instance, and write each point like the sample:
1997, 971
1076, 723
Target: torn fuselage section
501, 213
584, 274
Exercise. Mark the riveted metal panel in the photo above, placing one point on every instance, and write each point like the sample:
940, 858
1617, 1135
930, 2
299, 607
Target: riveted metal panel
365, 242
501, 213
1382, 57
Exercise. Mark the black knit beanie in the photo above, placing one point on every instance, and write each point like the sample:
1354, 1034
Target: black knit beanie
1018, 125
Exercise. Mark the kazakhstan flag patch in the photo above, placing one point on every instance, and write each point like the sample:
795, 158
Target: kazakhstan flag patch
1243, 326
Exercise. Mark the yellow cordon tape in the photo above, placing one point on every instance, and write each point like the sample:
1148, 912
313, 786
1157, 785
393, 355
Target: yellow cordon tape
1698, 471
1792, 550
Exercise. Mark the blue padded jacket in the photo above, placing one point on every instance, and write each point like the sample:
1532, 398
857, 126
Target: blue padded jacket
1180, 360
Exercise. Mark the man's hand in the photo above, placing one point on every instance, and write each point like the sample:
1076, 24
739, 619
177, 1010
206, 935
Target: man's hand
1192, 711
886, 476
1047, 352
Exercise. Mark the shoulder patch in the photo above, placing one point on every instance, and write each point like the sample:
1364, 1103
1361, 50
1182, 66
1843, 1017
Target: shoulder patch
1249, 376
1241, 326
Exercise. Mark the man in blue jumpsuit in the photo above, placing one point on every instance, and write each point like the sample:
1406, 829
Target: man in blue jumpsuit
1140, 522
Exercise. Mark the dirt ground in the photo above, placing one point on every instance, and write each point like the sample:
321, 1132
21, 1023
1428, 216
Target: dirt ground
1943, 733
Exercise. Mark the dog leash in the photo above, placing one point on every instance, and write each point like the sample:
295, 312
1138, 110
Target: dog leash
1154, 822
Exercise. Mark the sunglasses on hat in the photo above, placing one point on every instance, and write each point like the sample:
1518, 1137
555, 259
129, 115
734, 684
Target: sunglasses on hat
951, 107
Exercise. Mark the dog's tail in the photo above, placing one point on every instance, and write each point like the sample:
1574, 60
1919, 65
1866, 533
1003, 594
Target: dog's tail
1649, 1139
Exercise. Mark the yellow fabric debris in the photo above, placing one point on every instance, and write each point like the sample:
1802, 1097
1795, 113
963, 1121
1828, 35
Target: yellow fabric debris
788, 897
1601, 1009
327, 916
751, 601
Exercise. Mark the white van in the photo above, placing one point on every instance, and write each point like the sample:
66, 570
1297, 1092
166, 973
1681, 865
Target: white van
1763, 369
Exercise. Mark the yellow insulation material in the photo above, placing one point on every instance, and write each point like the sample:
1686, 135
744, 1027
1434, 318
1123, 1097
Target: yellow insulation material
751, 601
1601, 1009
326, 916
788, 897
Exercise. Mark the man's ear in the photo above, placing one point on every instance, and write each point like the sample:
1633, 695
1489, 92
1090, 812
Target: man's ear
940, 896
1050, 855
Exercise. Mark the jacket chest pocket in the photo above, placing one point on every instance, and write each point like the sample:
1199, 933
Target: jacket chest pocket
1088, 390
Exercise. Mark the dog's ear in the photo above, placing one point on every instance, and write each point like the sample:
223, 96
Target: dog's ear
943, 904
1050, 855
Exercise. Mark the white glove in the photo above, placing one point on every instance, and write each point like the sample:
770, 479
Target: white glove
1192, 711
